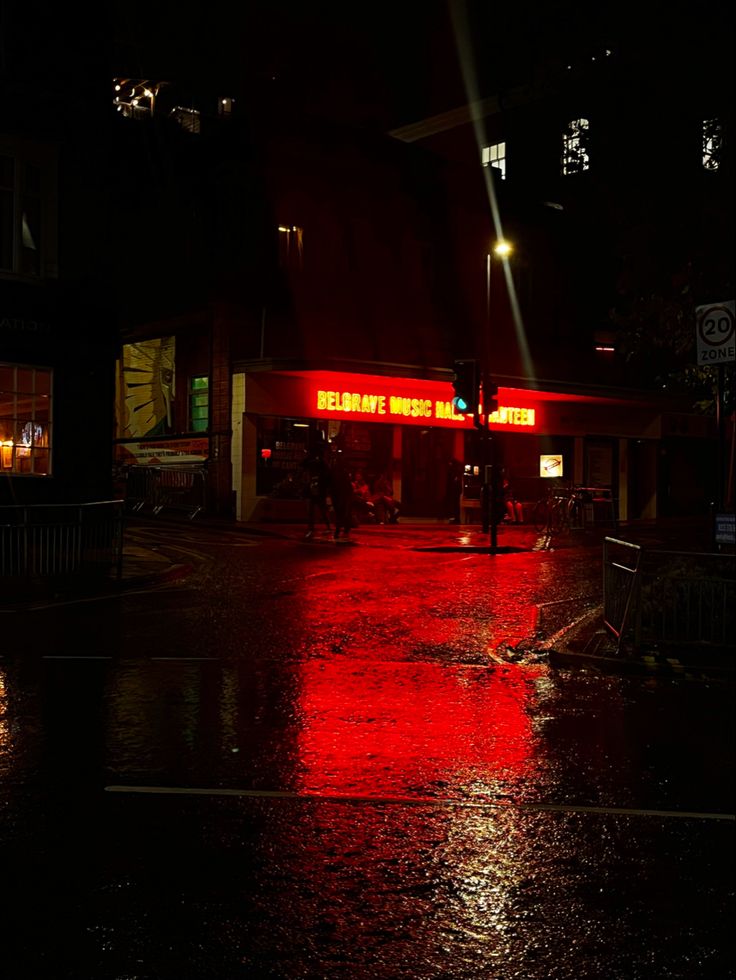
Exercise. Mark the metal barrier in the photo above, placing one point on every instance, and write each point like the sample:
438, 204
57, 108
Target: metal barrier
166, 487
668, 598
685, 598
46, 540
620, 566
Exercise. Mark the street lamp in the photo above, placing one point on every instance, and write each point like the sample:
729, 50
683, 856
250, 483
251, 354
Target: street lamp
503, 249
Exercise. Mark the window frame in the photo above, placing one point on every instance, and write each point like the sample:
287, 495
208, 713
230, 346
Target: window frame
15, 229
711, 132
19, 438
575, 158
195, 391
498, 161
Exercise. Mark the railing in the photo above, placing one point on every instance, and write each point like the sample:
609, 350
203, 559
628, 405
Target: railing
48, 540
668, 598
620, 566
685, 598
160, 488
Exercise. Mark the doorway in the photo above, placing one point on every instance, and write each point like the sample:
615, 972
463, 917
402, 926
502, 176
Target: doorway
426, 458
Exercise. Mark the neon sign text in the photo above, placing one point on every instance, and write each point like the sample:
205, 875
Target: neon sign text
505, 415
398, 406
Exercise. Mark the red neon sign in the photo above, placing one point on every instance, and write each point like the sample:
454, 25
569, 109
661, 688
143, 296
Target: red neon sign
354, 398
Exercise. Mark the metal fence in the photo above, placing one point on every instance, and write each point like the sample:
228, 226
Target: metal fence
685, 598
47, 540
620, 565
157, 488
668, 598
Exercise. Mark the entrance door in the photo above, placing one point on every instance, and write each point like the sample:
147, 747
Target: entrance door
426, 455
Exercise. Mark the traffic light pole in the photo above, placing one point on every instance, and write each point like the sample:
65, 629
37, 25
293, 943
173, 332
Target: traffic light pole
493, 494
489, 489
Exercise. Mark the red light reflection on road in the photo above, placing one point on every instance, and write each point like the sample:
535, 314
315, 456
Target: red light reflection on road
385, 728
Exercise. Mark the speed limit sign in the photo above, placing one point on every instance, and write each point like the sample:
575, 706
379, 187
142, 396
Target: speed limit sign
715, 332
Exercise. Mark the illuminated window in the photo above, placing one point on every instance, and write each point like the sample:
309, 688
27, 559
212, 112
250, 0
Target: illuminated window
495, 156
575, 144
135, 98
21, 203
282, 446
291, 246
712, 144
187, 118
225, 106
25, 420
199, 403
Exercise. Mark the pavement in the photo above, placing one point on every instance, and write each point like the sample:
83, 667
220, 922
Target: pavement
584, 642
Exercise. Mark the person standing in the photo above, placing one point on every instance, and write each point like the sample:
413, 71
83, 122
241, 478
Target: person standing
317, 475
453, 491
341, 485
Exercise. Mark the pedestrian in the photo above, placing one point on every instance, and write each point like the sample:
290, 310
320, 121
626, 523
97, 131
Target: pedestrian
387, 507
341, 485
514, 512
453, 491
317, 489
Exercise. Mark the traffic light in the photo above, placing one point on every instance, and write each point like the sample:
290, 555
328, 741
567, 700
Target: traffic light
466, 383
490, 401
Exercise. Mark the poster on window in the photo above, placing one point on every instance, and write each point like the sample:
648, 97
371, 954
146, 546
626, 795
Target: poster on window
146, 389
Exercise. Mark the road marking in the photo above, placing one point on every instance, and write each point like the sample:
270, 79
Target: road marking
186, 659
72, 656
417, 801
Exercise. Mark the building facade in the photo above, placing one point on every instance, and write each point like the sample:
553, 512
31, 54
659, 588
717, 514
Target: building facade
304, 282
58, 338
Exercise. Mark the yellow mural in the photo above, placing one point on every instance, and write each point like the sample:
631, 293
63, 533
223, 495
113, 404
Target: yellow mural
146, 388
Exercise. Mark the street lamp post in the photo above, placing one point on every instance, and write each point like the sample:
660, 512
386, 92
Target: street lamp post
503, 250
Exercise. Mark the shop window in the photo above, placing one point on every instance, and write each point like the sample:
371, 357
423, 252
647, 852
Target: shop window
282, 446
575, 147
199, 403
25, 420
495, 156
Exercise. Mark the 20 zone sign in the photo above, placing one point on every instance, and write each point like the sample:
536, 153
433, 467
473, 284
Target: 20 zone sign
715, 333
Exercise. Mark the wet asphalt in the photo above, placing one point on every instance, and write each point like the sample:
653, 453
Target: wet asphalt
264, 757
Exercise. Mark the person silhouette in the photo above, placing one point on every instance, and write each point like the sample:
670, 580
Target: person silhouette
341, 487
317, 489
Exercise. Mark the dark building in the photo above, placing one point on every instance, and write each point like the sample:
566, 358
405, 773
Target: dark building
284, 277
58, 337
609, 167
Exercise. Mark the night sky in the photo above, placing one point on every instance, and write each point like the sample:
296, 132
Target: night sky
383, 63
389, 63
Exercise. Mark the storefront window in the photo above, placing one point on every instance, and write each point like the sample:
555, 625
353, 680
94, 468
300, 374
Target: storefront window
25, 420
282, 446
199, 403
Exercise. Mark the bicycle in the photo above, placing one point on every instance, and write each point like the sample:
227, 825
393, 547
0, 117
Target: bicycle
557, 512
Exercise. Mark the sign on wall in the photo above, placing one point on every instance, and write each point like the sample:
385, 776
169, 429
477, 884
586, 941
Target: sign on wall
550, 465
386, 404
715, 333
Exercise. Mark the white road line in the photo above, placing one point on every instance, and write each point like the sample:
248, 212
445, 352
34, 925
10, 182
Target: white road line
187, 659
71, 656
417, 801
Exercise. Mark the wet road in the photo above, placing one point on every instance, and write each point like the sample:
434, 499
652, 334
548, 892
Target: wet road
309, 761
